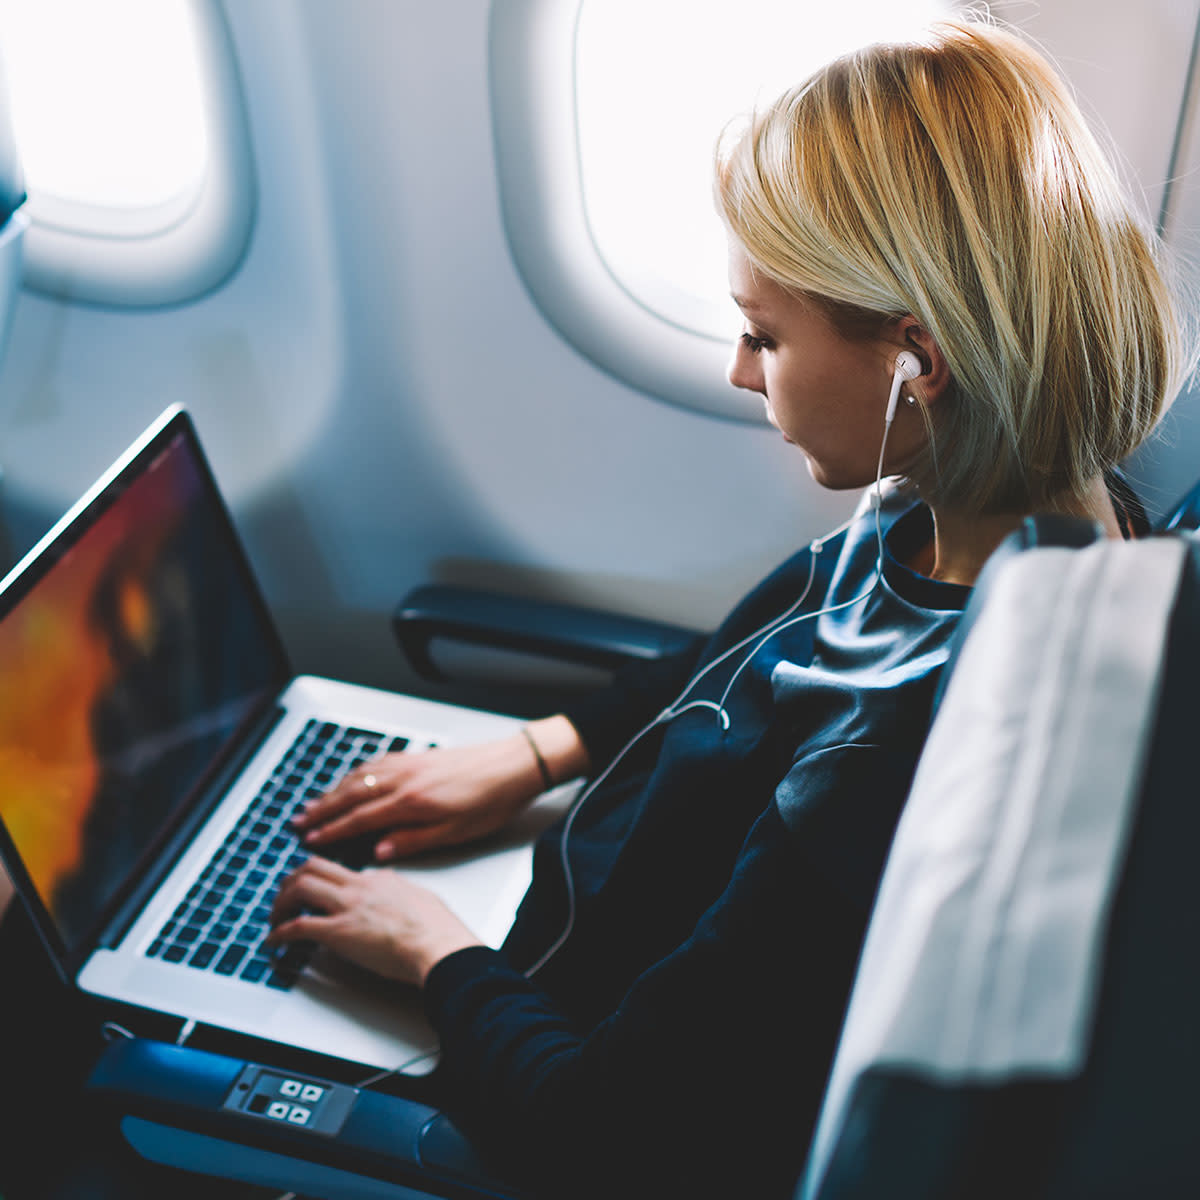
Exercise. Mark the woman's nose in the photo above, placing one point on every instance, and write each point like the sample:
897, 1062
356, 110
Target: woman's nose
744, 371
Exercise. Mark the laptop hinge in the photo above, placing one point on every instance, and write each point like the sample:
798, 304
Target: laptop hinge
181, 837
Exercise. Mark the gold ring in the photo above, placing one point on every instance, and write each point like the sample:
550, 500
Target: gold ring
369, 781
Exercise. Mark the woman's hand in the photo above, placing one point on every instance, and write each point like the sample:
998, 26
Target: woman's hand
375, 918
441, 797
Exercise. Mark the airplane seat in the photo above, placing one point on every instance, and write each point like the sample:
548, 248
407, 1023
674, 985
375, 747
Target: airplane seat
1023, 1020
13, 218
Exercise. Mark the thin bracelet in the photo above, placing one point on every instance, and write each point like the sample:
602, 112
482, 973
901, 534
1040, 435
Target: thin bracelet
547, 778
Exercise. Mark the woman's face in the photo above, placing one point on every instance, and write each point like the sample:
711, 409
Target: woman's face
824, 393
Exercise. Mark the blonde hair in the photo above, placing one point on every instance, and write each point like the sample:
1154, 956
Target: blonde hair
954, 178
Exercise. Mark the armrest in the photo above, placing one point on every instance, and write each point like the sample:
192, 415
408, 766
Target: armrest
194, 1110
582, 636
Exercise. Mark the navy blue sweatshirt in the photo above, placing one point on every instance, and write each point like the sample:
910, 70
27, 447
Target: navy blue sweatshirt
679, 1041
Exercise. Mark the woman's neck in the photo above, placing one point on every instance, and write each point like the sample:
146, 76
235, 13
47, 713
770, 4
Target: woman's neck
963, 543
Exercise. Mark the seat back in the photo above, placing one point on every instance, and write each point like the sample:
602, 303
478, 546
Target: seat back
1024, 1019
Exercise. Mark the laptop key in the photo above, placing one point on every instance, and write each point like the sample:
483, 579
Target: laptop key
255, 969
203, 954
230, 960
282, 979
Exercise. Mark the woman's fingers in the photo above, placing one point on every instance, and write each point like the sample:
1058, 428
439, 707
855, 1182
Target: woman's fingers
375, 918
297, 889
360, 786
378, 814
415, 802
402, 843
318, 888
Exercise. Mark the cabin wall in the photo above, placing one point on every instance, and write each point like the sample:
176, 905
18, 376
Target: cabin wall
381, 400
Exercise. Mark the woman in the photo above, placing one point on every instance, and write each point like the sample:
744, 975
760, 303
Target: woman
940, 280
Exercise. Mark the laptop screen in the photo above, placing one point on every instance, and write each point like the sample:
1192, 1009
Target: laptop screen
140, 649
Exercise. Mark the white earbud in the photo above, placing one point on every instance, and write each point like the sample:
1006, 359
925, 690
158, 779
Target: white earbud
908, 366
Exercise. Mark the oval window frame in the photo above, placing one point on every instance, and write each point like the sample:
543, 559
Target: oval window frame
531, 63
163, 254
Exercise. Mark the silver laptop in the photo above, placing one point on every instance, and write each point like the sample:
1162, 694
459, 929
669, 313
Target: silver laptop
153, 745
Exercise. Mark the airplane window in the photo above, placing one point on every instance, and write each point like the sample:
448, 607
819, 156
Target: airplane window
605, 116
85, 127
650, 107
130, 135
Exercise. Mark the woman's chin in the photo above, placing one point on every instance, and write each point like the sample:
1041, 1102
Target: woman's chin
835, 481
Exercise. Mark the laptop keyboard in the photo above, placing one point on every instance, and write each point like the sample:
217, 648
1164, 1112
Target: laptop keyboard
221, 922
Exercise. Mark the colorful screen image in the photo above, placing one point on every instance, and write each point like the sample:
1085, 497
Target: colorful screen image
123, 671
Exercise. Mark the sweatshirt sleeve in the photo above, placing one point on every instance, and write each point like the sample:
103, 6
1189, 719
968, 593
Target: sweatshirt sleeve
710, 1071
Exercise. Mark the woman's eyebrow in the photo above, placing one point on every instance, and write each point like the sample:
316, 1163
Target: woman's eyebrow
756, 310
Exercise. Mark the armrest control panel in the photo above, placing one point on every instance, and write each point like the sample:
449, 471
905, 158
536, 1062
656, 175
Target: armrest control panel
319, 1106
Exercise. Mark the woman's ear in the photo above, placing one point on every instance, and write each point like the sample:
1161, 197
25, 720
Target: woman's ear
935, 378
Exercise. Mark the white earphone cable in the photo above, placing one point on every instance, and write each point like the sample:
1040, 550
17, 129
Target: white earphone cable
904, 370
